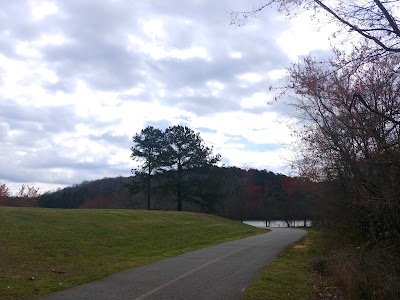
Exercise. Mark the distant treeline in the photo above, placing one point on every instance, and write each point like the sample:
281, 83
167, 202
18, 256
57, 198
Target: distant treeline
226, 191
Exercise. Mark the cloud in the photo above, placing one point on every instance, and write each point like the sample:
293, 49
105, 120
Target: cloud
161, 124
37, 120
122, 141
79, 78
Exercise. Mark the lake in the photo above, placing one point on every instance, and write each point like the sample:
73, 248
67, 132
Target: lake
278, 223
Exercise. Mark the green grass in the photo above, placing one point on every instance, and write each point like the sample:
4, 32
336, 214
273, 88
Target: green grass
45, 250
288, 276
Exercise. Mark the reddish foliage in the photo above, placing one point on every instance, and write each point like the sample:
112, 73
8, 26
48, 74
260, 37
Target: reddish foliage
99, 202
288, 185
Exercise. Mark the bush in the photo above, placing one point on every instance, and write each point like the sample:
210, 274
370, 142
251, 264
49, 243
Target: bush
361, 273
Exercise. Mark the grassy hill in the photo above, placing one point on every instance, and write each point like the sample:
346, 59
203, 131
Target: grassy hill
45, 250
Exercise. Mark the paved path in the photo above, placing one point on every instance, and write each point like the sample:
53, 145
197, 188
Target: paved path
218, 272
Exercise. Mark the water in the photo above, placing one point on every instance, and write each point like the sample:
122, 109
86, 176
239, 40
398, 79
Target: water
279, 223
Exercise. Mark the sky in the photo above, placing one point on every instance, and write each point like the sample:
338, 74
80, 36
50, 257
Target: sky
79, 78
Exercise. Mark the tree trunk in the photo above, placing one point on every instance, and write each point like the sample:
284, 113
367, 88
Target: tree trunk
148, 190
179, 187
241, 210
179, 197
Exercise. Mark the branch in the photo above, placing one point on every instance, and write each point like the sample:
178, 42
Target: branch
355, 28
357, 96
245, 14
388, 17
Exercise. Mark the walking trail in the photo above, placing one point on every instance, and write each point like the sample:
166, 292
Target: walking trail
218, 272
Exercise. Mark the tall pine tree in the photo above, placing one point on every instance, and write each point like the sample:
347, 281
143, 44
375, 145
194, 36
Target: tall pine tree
186, 154
149, 146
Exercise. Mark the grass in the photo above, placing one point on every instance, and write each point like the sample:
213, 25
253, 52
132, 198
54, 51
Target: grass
46, 250
288, 276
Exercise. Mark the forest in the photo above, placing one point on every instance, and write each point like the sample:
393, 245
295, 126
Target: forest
225, 191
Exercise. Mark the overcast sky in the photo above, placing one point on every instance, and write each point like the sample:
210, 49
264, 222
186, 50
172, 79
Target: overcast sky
78, 78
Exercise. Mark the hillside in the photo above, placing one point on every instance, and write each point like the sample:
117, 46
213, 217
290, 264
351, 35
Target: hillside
45, 250
225, 191
101, 193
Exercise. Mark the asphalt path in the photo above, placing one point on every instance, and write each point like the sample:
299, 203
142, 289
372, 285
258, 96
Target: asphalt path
218, 272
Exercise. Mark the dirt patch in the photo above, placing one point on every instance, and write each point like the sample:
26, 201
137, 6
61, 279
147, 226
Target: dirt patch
299, 246
303, 245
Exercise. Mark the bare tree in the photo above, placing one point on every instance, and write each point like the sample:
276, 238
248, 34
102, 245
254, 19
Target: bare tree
5, 193
376, 21
27, 196
350, 113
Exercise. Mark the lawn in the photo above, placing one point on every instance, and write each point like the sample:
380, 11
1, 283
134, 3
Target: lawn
45, 250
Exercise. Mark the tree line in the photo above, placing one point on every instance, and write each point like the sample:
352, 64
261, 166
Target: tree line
27, 196
231, 192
